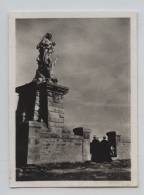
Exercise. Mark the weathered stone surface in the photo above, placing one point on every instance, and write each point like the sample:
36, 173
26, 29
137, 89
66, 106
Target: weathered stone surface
61, 150
123, 148
34, 142
55, 146
37, 106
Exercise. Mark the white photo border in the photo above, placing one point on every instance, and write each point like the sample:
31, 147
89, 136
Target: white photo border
12, 103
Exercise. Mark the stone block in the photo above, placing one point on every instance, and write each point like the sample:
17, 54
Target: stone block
61, 115
61, 150
51, 124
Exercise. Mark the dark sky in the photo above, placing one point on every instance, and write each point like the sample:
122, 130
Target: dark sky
93, 61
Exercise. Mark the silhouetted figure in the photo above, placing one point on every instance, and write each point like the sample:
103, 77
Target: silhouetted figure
112, 137
105, 150
95, 150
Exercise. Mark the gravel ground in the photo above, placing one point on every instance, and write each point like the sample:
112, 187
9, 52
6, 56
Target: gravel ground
116, 170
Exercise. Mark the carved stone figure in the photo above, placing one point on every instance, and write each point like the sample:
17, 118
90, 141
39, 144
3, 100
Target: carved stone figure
44, 60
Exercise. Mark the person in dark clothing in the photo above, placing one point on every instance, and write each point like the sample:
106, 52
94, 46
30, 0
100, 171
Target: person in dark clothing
105, 150
95, 150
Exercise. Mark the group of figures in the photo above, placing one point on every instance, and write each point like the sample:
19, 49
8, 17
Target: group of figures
101, 151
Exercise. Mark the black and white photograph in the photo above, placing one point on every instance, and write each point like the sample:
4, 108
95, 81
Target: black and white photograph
73, 105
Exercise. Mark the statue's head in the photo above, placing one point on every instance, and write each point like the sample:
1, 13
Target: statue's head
48, 36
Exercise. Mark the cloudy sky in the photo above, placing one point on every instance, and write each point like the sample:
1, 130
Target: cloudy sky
93, 61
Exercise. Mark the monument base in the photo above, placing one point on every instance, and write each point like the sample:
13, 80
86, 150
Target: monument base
41, 136
47, 147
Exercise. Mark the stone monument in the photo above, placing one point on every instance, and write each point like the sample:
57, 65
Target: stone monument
40, 133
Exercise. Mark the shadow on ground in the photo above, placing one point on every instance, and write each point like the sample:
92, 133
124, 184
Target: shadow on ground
116, 171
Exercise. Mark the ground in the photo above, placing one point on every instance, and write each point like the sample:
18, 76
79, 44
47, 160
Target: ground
116, 170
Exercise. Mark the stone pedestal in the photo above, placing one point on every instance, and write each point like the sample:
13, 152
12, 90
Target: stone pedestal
56, 108
41, 109
49, 106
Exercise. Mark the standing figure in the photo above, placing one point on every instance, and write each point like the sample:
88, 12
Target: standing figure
95, 150
105, 150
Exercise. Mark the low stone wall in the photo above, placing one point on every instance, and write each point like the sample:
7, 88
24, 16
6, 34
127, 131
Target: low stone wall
47, 147
123, 146
123, 150
61, 150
